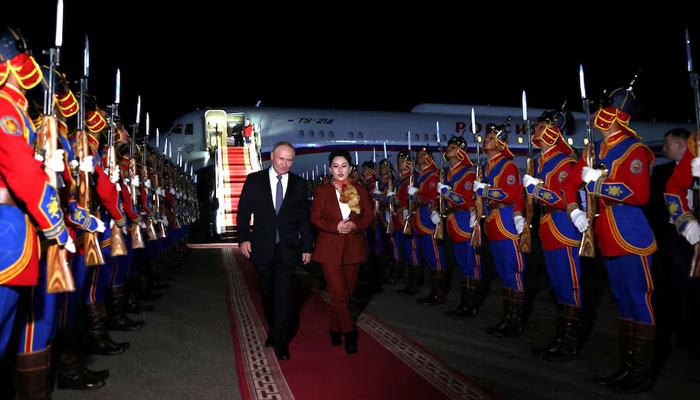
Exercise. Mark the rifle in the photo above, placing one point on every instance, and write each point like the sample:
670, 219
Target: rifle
118, 243
407, 227
160, 229
587, 248
376, 180
438, 232
136, 234
525, 245
390, 188
695, 262
58, 275
478, 202
93, 253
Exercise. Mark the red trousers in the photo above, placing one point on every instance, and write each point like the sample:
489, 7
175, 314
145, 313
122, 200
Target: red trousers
341, 281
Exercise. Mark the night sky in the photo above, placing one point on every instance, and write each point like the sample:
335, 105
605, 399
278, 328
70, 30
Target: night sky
361, 58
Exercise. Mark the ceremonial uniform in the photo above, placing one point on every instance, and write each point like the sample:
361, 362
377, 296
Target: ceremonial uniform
407, 243
560, 238
502, 193
459, 195
431, 250
621, 184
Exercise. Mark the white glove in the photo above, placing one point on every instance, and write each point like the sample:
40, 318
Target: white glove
86, 165
434, 217
530, 180
519, 222
70, 245
127, 181
39, 157
472, 219
695, 166
148, 183
136, 181
164, 221
387, 215
74, 163
143, 225
579, 219
443, 188
376, 192
100, 224
589, 174
159, 192
692, 231
479, 187
55, 162
412, 190
124, 231
111, 223
404, 214
114, 175
172, 191
389, 193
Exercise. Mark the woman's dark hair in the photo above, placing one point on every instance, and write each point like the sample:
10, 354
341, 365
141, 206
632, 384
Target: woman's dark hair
339, 153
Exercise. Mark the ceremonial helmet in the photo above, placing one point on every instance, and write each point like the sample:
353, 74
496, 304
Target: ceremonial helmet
67, 103
428, 154
556, 124
461, 144
16, 58
501, 138
618, 107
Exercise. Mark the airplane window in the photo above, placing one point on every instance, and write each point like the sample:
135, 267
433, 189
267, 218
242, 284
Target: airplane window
350, 134
301, 133
189, 129
444, 137
176, 129
417, 136
360, 135
311, 133
426, 137
330, 134
320, 134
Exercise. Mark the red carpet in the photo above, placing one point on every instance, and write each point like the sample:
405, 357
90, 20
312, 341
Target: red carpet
388, 365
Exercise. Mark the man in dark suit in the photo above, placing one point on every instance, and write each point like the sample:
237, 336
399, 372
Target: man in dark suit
279, 239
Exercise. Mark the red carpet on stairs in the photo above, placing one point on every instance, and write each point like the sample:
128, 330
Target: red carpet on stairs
387, 366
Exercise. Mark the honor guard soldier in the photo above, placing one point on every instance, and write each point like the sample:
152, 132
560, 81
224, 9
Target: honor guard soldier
503, 194
392, 255
620, 181
24, 191
560, 238
374, 236
425, 193
458, 191
403, 226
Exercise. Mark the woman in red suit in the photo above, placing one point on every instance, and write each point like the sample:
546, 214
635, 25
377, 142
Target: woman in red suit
341, 211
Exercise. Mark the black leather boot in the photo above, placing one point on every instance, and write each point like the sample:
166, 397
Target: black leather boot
436, 295
503, 324
118, 321
350, 342
639, 379
32, 375
473, 293
411, 280
461, 310
336, 338
625, 330
554, 344
72, 374
98, 340
571, 327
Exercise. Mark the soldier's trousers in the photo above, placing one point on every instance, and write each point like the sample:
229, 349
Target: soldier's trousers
38, 316
468, 259
409, 247
8, 310
73, 300
509, 262
564, 272
431, 252
630, 278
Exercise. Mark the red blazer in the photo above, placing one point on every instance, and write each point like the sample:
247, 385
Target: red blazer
331, 246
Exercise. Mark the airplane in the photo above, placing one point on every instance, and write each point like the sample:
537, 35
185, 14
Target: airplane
316, 132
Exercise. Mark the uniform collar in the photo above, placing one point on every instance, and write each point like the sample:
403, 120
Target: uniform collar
15, 95
496, 159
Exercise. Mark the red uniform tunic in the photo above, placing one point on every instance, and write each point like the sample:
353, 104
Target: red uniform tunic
677, 187
503, 178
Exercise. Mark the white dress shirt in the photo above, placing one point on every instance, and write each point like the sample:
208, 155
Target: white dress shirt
344, 207
273, 185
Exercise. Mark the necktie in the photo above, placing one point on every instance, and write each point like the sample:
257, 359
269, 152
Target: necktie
279, 196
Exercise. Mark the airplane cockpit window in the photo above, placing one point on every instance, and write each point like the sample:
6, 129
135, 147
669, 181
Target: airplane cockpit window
301, 133
350, 134
360, 135
176, 129
189, 129
321, 134
331, 134
311, 133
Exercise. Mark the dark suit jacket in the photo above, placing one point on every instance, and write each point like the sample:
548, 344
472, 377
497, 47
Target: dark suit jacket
293, 219
331, 246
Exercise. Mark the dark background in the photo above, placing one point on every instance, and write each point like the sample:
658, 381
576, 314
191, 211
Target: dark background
363, 56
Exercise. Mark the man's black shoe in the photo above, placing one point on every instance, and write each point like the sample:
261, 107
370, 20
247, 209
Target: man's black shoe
282, 353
